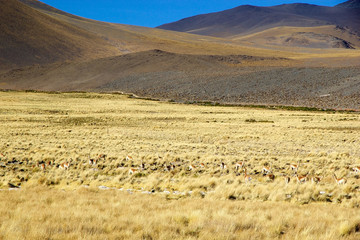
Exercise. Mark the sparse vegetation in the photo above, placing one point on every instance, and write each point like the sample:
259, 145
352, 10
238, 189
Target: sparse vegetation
162, 198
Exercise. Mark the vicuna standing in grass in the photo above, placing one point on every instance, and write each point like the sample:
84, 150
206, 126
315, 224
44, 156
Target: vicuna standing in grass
247, 177
339, 181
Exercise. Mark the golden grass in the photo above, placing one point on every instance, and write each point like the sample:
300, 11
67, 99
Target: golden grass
36, 127
37, 213
94, 214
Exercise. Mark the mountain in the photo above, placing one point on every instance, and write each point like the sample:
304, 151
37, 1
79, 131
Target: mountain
131, 39
189, 77
249, 19
277, 65
32, 32
30, 37
141, 68
324, 37
47, 8
350, 4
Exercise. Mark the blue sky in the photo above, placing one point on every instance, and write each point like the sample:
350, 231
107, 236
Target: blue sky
152, 13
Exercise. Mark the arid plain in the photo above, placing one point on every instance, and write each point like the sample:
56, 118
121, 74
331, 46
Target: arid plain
185, 182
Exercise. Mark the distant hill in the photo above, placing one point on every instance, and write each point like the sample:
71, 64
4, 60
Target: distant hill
93, 74
249, 19
29, 37
350, 4
188, 77
131, 39
324, 37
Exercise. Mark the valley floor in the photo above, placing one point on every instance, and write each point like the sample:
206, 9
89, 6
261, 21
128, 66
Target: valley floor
166, 158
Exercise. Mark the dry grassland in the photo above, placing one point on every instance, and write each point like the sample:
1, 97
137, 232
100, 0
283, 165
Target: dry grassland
164, 199
95, 214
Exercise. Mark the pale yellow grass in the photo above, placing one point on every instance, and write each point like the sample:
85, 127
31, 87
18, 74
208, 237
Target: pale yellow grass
37, 127
94, 214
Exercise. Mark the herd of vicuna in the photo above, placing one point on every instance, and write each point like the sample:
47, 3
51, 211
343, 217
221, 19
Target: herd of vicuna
238, 168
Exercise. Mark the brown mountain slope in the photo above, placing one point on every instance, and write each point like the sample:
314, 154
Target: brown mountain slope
309, 37
350, 4
93, 74
44, 7
129, 39
185, 77
30, 37
251, 19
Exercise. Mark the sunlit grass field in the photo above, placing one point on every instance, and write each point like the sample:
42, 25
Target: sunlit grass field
163, 199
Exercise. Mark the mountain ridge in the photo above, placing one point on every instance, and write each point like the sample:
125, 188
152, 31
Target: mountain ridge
232, 79
29, 37
246, 19
349, 4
